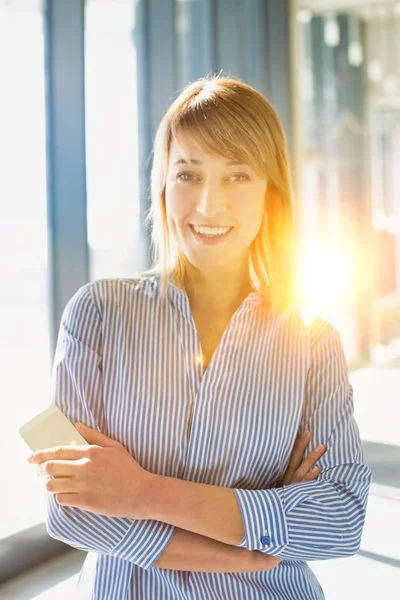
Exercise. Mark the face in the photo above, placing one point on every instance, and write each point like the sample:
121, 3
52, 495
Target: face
214, 206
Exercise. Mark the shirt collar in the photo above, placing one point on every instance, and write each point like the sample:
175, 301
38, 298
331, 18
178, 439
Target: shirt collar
179, 296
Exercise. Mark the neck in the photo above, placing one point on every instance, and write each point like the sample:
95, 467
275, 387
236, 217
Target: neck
218, 290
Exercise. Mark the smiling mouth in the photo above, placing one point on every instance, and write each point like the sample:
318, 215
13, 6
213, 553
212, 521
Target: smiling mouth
210, 232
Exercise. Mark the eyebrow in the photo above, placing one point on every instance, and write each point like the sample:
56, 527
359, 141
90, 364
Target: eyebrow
182, 161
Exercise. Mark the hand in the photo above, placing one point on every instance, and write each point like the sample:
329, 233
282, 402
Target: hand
101, 478
299, 469
263, 562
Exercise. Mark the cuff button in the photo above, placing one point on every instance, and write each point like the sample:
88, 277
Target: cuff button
265, 539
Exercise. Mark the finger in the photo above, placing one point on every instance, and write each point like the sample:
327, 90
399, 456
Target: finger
309, 462
92, 436
59, 468
296, 457
272, 563
312, 475
67, 499
58, 453
298, 450
65, 485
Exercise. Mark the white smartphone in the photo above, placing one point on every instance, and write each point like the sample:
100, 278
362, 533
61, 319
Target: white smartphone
50, 428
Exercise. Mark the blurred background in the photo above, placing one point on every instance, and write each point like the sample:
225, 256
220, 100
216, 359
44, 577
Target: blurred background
83, 86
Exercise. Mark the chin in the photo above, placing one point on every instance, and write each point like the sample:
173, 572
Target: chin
212, 262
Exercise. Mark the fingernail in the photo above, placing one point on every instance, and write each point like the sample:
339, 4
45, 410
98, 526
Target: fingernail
315, 468
30, 458
305, 434
320, 447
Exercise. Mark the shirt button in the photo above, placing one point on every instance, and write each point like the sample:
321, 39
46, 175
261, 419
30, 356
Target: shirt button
265, 539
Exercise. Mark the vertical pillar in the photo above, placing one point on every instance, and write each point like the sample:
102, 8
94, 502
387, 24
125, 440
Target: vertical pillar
66, 173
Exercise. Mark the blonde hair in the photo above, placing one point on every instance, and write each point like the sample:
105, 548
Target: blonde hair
228, 117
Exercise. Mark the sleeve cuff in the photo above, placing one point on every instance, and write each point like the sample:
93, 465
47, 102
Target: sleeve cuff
264, 520
144, 542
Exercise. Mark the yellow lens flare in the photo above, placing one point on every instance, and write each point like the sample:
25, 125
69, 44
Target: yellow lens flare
326, 276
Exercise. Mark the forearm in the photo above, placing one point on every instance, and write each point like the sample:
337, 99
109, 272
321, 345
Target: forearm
189, 551
136, 541
207, 510
316, 520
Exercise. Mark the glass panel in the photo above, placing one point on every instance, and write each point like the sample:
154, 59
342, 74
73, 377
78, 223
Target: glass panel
347, 68
24, 342
348, 148
194, 40
111, 139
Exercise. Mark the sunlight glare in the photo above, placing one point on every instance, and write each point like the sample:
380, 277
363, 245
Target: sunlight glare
326, 276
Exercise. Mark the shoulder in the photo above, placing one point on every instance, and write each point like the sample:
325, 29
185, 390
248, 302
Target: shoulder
312, 325
108, 293
322, 343
97, 297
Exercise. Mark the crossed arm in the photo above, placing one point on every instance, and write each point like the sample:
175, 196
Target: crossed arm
189, 551
318, 519
201, 543
314, 521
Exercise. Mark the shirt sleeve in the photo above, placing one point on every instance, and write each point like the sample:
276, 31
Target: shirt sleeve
77, 389
324, 518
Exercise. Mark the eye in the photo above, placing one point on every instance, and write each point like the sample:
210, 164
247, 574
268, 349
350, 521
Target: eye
186, 176
238, 177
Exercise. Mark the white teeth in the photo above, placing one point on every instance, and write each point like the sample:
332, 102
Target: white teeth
210, 230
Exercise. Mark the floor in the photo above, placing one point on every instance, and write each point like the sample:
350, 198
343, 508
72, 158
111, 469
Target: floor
373, 573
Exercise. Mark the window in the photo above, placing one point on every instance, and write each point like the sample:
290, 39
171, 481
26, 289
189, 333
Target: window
24, 341
346, 71
111, 140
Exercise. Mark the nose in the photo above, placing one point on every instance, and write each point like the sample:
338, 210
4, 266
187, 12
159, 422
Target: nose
211, 202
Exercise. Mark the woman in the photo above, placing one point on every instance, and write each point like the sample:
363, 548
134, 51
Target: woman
200, 375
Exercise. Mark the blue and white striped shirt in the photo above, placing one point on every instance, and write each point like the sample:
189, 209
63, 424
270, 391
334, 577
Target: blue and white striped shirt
127, 363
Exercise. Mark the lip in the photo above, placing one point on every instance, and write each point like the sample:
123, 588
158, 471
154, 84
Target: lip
210, 241
210, 226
